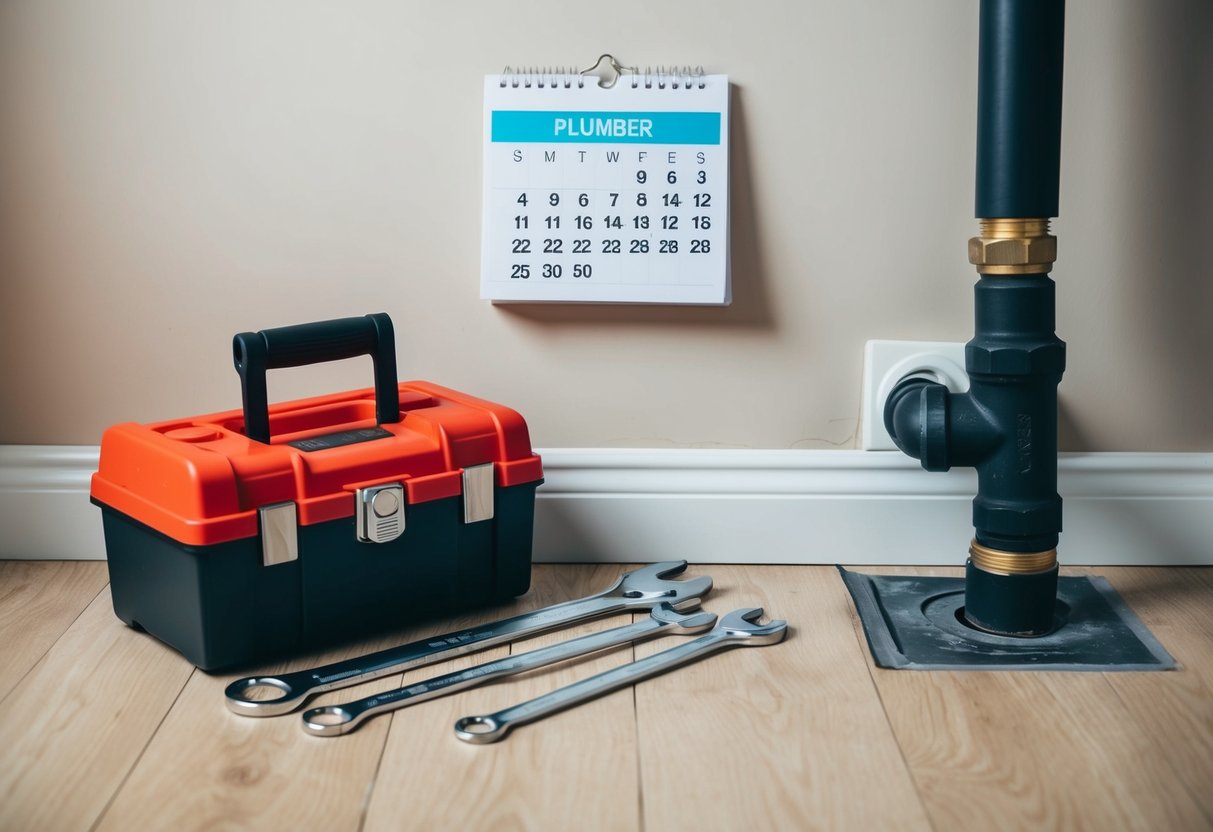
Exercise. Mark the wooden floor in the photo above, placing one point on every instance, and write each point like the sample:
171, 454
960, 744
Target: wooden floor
102, 727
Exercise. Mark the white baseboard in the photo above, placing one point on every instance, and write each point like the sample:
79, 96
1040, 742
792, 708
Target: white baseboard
44, 507
731, 506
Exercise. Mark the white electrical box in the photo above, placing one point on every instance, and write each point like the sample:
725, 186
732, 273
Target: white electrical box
887, 362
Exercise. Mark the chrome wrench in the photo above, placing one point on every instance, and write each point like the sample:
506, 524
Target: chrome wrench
737, 629
335, 720
642, 589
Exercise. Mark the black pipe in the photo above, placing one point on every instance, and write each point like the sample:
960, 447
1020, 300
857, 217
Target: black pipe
1015, 362
1019, 107
1005, 426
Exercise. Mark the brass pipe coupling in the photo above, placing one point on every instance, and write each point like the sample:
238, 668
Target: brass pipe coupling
1013, 246
998, 562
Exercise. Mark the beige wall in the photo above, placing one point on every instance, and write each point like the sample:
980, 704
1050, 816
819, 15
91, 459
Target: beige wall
172, 173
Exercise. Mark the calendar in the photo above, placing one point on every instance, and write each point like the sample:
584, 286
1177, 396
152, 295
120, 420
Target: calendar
616, 195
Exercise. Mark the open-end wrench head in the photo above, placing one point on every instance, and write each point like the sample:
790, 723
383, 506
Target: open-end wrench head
648, 586
743, 626
693, 622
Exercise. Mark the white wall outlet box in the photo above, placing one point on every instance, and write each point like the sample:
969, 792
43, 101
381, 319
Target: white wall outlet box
887, 362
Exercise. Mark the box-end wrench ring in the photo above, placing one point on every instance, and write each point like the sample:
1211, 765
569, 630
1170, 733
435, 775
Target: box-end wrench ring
737, 629
643, 588
335, 720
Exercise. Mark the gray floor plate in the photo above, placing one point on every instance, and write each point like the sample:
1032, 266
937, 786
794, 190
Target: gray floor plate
913, 623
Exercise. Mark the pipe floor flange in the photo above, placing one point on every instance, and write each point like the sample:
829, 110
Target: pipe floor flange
917, 623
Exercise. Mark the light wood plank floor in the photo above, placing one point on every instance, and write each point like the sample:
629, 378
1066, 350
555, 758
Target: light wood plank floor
103, 728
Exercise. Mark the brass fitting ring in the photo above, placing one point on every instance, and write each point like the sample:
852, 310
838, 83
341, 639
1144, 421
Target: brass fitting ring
999, 562
1013, 246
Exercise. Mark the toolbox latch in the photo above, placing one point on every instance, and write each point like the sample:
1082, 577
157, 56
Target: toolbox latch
279, 535
478, 481
380, 512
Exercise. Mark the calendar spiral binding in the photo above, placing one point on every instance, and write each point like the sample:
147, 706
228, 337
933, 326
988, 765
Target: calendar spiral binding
674, 77
541, 77
562, 77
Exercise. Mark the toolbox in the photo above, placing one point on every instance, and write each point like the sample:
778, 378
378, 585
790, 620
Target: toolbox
253, 534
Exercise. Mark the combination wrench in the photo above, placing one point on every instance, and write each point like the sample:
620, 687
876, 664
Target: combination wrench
642, 589
335, 720
737, 629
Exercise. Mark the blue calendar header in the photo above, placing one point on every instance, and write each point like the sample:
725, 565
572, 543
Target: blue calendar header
559, 126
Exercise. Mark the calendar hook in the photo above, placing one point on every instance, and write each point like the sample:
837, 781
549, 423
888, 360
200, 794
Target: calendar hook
616, 67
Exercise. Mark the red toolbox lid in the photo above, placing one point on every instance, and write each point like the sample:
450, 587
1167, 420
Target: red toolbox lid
200, 480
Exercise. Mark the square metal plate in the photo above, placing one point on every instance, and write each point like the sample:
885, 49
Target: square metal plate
915, 623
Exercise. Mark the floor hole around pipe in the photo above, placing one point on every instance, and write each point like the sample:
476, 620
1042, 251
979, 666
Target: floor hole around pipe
1059, 620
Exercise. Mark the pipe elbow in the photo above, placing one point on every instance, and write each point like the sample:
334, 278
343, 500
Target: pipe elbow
939, 428
916, 417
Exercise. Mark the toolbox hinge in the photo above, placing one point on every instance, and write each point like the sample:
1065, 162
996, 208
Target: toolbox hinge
279, 534
478, 482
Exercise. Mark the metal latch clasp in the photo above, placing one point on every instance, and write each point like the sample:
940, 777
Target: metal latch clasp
379, 510
478, 482
279, 536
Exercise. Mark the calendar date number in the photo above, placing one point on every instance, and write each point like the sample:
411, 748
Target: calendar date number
644, 218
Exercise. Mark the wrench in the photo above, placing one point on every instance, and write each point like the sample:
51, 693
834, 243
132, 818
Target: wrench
335, 720
737, 629
642, 589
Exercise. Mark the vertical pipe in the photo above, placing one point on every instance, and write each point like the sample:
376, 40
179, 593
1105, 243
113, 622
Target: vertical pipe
1019, 107
1015, 359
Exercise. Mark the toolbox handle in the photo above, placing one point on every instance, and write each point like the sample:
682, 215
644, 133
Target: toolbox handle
315, 343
